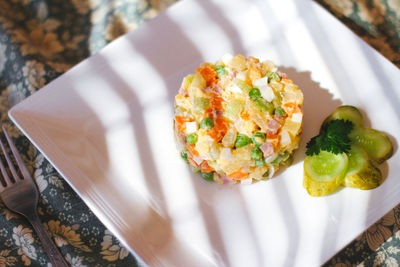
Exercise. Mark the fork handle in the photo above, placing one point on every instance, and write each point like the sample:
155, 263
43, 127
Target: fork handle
56, 258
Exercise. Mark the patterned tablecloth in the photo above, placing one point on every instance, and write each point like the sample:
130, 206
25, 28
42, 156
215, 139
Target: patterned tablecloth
40, 40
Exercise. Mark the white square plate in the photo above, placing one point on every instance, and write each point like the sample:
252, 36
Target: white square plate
106, 125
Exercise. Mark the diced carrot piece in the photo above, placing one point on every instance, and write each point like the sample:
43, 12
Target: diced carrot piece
291, 108
245, 115
192, 162
209, 74
238, 175
192, 150
219, 130
180, 122
216, 102
204, 167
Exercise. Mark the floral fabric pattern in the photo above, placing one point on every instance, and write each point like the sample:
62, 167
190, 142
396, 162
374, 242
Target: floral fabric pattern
40, 40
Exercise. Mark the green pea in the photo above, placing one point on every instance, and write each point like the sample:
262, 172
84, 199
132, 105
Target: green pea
221, 71
207, 123
208, 176
256, 154
258, 139
242, 140
191, 139
264, 105
280, 111
255, 94
273, 76
185, 157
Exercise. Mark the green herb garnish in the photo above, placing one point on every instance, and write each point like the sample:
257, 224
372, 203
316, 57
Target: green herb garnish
333, 138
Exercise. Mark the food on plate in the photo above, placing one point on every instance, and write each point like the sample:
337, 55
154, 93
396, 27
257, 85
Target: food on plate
345, 153
238, 120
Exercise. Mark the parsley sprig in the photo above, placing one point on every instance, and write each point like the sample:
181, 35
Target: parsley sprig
332, 138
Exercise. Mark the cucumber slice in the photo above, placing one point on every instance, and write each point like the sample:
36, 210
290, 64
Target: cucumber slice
358, 160
316, 188
346, 113
375, 143
361, 172
326, 166
368, 177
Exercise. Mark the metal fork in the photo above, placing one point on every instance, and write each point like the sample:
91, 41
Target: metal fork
21, 195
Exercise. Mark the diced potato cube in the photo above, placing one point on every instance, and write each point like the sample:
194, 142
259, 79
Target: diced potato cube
291, 87
201, 103
286, 140
203, 145
187, 81
238, 63
267, 93
191, 127
244, 126
260, 173
292, 127
198, 81
242, 153
258, 117
232, 87
260, 82
292, 97
253, 73
182, 101
267, 66
242, 75
214, 151
229, 138
277, 86
229, 166
297, 117
243, 85
225, 154
233, 108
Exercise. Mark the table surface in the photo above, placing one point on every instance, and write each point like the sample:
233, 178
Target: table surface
40, 40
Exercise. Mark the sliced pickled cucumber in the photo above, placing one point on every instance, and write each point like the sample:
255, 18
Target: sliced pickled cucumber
326, 166
323, 173
317, 188
358, 159
361, 171
367, 178
350, 113
374, 142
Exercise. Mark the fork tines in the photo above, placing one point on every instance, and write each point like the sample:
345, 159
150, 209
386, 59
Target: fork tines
21, 166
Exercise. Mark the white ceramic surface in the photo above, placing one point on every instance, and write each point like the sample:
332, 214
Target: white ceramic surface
106, 125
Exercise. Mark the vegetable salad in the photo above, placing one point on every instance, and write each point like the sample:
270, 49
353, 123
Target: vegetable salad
238, 120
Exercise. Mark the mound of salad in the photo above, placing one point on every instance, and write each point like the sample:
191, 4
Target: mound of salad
238, 120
